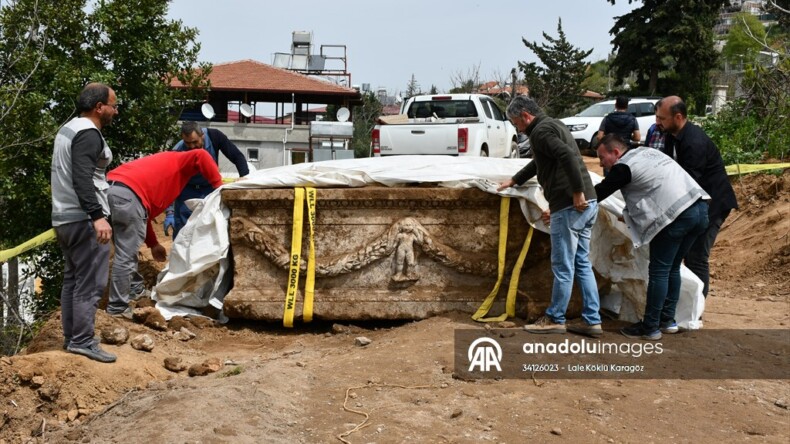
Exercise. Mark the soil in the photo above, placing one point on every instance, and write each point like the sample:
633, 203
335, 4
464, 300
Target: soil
314, 384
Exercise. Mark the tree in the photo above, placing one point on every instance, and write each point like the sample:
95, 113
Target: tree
465, 82
669, 37
557, 84
743, 40
598, 77
48, 52
413, 87
364, 120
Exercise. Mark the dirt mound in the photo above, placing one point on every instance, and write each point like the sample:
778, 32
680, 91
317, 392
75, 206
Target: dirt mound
315, 384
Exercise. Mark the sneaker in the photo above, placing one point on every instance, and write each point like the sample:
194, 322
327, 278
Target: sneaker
544, 325
93, 352
142, 294
669, 328
583, 328
126, 314
638, 331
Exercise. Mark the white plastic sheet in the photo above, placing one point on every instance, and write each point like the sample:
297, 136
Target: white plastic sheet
196, 275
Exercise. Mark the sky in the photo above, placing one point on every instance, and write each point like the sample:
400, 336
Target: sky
389, 41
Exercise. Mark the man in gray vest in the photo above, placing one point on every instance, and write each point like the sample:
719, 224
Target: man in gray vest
79, 215
662, 204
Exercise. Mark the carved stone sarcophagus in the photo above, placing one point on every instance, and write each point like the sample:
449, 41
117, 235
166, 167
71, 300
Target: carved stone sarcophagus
382, 253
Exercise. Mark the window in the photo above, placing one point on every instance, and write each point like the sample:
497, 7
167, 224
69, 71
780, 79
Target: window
495, 109
252, 154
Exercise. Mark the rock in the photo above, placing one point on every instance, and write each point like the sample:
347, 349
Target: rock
300, 364
114, 335
174, 364
72, 415
214, 364
48, 393
142, 343
456, 413
184, 334
508, 333
556, 431
204, 368
37, 381
782, 403
506, 324
362, 341
150, 317
6, 360
340, 329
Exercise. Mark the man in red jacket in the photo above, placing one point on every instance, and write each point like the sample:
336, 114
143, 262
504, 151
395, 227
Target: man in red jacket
140, 190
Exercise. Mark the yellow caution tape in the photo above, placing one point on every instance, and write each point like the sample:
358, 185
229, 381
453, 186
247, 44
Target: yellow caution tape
296, 251
510, 302
742, 168
309, 291
41, 239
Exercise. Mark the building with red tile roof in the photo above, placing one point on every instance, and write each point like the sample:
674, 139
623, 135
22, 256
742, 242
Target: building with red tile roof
250, 81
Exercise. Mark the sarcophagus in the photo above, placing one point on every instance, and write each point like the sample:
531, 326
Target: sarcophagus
382, 253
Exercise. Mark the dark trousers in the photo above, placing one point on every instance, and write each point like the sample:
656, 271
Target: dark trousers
84, 280
666, 254
697, 259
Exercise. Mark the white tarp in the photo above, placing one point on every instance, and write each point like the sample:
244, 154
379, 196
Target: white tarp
196, 274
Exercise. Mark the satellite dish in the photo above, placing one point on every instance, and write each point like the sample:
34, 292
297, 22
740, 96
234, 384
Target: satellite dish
343, 114
246, 110
207, 111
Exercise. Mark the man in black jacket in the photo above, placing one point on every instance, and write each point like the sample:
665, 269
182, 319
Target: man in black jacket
698, 155
572, 212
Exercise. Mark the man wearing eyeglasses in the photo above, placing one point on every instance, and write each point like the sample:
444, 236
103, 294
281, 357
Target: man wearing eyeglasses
79, 215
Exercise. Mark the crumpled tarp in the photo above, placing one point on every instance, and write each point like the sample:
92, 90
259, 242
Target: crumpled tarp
196, 274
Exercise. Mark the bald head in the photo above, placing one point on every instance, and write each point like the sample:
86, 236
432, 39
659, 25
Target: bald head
671, 114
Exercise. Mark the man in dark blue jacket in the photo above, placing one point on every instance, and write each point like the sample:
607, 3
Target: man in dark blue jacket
621, 123
213, 141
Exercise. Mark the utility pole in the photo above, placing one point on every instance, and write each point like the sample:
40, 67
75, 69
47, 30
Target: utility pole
513, 89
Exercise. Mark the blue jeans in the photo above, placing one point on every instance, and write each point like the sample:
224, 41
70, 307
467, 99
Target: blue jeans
570, 251
666, 254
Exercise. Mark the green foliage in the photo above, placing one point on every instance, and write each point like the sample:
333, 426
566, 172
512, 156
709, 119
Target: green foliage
48, 52
756, 126
741, 46
364, 120
237, 370
597, 77
672, 37
556, 85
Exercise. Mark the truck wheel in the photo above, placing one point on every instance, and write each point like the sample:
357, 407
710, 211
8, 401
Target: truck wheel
513, 150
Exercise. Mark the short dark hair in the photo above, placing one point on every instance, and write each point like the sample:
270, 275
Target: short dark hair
621, 102
522, 103
679, 107
91, 95
612, 141
190, 127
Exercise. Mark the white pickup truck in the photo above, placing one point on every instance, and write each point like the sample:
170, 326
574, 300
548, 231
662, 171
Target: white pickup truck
454, 124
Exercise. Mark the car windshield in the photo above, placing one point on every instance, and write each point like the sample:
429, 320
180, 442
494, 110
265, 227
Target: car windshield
597, 110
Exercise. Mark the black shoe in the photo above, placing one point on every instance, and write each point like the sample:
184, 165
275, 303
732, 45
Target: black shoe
93, 352
638, 331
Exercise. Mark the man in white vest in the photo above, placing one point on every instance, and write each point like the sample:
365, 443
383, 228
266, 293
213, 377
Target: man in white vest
665, 208
79, 215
